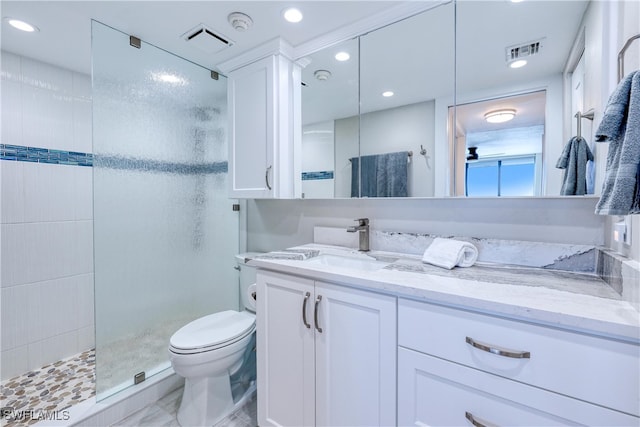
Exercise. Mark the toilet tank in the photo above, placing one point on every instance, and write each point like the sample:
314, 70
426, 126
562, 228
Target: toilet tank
247, 278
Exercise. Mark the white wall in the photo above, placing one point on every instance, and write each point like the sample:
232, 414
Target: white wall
403, 128
346, 136
278, 224
47, 216
318, 156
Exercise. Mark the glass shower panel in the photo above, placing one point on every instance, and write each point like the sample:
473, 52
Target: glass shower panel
165, 234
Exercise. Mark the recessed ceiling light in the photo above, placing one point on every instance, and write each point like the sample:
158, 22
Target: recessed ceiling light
518, 64
516, 1
293, 15
21, 25
499, 116
342, 56
387, 94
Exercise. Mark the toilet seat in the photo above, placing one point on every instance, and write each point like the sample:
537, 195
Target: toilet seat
212, 332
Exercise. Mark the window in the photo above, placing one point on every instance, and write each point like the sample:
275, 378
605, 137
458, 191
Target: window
501, 177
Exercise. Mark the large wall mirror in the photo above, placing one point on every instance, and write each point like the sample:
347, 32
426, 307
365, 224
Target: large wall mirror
410, 109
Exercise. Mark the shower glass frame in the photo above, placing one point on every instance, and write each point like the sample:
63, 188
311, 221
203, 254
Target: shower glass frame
165, 233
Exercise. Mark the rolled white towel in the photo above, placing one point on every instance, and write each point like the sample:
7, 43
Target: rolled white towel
448, 253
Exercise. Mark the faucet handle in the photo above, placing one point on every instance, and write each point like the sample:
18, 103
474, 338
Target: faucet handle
362, 221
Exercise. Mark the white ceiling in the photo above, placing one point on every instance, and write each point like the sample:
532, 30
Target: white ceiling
414, 58
64, 38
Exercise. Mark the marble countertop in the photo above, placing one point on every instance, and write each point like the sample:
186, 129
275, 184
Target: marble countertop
575, 301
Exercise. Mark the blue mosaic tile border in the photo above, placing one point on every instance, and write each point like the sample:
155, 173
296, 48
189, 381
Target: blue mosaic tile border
21, 153
127, 163
309, 176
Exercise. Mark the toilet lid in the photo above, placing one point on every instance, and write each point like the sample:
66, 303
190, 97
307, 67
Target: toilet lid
212, 330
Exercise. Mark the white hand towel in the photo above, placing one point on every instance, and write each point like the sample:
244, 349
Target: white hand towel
448, 253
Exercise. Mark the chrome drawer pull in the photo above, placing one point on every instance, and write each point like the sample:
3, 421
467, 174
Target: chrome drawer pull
498, 351
476, 421
315, 314
304, 310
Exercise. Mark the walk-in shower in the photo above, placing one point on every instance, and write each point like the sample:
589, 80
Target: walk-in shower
165, 233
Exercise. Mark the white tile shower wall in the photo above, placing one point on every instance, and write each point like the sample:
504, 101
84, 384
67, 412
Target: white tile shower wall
46, 217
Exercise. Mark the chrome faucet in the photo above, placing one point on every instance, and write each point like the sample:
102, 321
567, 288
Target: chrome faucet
363, 229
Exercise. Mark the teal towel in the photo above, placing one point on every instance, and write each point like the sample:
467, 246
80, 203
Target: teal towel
620, 127
574, 160
383, 175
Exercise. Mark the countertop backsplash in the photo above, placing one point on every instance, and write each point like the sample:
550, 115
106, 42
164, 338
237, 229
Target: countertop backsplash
622, 274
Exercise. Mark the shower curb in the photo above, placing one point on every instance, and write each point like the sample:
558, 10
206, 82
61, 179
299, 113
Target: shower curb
113, 409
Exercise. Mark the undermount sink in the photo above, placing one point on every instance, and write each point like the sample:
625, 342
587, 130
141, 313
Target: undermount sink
357, 263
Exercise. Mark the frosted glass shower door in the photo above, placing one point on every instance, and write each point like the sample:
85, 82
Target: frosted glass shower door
165, 234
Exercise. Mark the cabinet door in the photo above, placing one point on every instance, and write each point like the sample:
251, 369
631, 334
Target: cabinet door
355, 357
435, 392
286, 388
251, 100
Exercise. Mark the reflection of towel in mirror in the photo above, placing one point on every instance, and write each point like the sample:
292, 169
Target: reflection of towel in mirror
447, 253
620, 127
574, 160
383, 175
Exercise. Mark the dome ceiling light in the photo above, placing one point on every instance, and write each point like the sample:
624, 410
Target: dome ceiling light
500, 116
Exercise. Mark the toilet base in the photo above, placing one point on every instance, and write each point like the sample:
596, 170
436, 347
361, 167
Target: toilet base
208, 400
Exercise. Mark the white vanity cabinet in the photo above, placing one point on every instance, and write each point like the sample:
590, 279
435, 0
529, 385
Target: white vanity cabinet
457, 367
264, 129
327, 354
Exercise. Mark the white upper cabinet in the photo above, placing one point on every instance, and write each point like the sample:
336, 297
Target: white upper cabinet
264, 129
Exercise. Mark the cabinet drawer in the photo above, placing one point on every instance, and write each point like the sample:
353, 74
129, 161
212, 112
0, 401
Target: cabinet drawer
435, 392
597, 370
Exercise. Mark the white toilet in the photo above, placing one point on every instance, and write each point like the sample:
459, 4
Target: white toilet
209, 351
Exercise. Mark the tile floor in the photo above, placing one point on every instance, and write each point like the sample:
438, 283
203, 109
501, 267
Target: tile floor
47, 391
163, 414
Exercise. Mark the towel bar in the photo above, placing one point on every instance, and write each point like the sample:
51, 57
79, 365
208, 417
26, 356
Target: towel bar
410, 154
621, 55
579, 116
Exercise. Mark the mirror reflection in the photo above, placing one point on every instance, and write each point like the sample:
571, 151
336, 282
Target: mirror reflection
499, 146
514, 67
395, 97
406, 84
330, 106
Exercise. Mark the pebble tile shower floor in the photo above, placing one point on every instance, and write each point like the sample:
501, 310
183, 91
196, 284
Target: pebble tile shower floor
48, 391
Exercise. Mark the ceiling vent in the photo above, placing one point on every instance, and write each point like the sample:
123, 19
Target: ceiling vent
206, 39
523, 50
